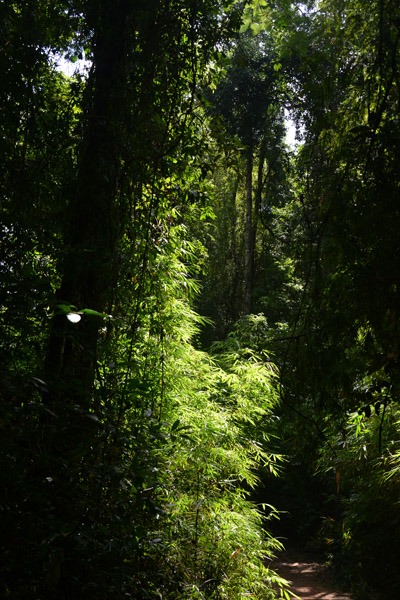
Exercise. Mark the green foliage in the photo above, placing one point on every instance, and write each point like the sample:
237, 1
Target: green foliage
129, 457
215, 532
152, 499
339, 354
358, 538
126, 454
244, 94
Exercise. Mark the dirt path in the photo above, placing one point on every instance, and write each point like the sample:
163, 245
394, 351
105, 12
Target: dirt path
310, 580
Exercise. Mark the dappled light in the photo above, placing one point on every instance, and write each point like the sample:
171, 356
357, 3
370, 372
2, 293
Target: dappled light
199, 309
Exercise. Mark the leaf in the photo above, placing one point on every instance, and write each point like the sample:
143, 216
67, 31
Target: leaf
236, 552
200, 502
256, 28
93, 313
65, 307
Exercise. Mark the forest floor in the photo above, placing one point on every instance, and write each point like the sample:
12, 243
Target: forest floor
311, 580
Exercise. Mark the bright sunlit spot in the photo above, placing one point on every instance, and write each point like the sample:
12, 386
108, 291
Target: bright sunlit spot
69, 68
291, 131
290, 137
74, 317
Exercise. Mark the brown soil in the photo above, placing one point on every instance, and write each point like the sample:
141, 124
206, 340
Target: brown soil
310, 579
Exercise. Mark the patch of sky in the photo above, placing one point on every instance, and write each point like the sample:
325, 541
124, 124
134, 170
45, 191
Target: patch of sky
71, 66
294, 132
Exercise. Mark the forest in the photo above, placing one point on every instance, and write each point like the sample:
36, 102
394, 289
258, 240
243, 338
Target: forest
200, 319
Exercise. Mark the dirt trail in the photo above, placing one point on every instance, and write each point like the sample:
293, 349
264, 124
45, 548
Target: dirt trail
311, 580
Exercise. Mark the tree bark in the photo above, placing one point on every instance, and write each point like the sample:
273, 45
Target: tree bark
258, 191
249, 236
93, 222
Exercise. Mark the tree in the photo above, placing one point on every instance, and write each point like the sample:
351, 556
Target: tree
246, 101
333, 240
102, 455
130, 75
339, 362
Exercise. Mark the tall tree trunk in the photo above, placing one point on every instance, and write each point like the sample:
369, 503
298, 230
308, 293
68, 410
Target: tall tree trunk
249, 235
93, 223
237, 290
258, 190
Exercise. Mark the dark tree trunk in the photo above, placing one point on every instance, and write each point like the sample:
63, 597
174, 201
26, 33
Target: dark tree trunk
249, 236
236, 294
93, 223
258, 192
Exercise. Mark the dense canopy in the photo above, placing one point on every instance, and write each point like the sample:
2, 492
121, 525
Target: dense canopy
199, 322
